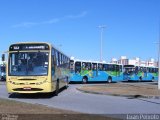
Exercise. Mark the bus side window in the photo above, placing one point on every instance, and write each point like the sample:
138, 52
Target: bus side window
71, 65
150, 70
114, 67
136, 69
104, 67
144, 69
94, 66
89, 66
120, 69
140, 69
86, 66
100, 67
53, 61
117, 68
83, 65
57, 58
154, 70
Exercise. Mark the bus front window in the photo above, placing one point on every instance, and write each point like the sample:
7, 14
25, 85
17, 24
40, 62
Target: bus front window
28, 63
129, 71
77, 67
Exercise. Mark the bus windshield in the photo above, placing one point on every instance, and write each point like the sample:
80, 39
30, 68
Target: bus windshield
77, 67
129, 70
28, 63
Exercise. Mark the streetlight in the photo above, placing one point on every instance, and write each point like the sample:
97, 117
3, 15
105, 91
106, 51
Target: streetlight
101, 28
159, 59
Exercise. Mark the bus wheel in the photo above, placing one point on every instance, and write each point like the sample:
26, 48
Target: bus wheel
140, 79
109, 79
84, 79
66, 86
57, 88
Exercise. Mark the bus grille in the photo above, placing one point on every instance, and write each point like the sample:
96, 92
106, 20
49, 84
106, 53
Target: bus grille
32, 89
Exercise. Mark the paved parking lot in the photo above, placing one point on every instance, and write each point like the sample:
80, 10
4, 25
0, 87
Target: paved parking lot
75, 100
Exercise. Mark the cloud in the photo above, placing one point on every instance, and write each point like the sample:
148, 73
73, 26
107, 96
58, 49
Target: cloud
25, 24
55, 20
83, 14
52, 21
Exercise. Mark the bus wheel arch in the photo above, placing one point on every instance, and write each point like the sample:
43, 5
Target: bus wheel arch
109, 80
84, 79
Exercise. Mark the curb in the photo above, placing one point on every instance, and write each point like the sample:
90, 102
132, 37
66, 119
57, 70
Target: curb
129, 96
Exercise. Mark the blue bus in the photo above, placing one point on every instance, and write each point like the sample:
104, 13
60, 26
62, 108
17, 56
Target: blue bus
90, 71
140, 73
153, 73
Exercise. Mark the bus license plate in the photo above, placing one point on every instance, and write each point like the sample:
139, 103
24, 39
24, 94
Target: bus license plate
27, 88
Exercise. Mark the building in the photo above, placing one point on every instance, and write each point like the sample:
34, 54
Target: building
123, 60
114, 60
136, 61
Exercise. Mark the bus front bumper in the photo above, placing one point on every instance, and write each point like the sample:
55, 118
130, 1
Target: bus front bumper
14, 87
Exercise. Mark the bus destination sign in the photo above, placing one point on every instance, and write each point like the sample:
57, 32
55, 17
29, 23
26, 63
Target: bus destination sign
18, 47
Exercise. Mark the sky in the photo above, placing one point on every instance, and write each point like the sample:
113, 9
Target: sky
132, 26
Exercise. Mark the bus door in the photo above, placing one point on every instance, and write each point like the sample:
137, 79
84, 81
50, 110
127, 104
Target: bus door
72, 66
101, 73
119, 70
141, 73
77, 67
86, 69
154, 74
145, 73
75, 70
117, 73
94, 70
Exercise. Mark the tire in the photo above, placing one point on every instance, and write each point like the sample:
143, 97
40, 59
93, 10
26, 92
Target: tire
84, 79
2, 78
109, 79
66, 86
57, 88
140, 79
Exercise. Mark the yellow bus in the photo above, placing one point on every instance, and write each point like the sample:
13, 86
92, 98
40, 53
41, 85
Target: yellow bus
36, 68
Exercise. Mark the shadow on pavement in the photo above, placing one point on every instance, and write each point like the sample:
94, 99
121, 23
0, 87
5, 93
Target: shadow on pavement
35, 95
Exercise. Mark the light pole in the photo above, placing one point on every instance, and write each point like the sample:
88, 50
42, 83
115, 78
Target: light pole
101, 28
158, 56
159, 59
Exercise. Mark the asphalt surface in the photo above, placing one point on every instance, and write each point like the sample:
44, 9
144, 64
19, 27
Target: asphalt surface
72, 99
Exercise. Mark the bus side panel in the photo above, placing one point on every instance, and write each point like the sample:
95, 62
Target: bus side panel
98, 76
75, 77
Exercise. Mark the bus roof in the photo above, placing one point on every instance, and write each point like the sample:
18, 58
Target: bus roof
78, 60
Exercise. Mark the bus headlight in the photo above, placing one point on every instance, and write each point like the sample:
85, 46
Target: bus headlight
39, 83
13, 82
